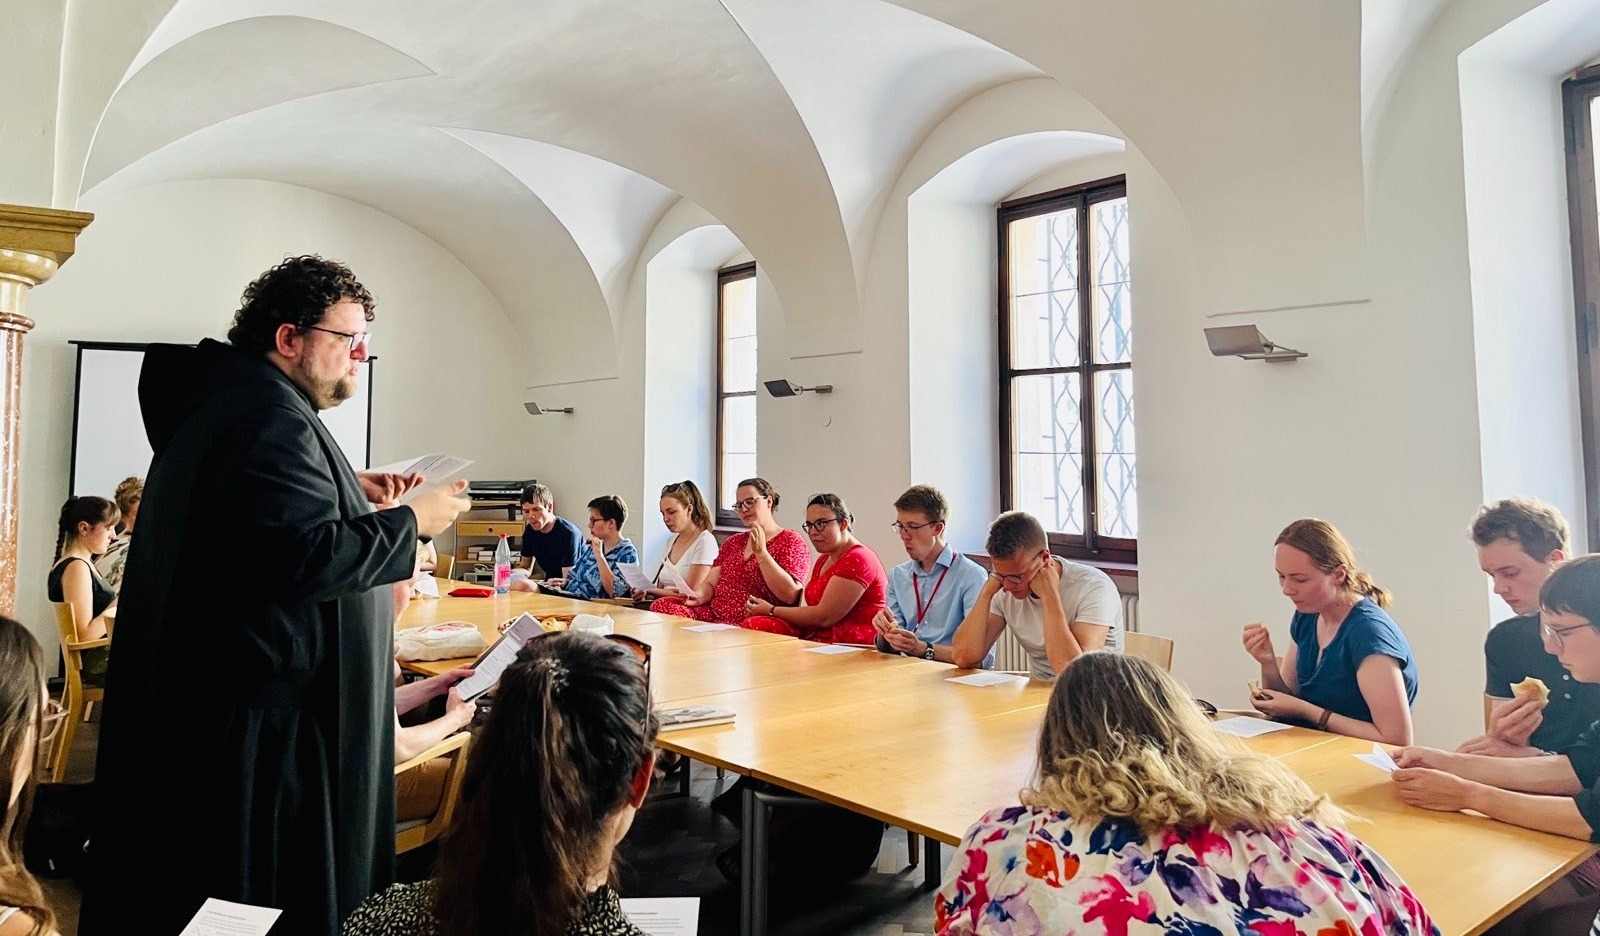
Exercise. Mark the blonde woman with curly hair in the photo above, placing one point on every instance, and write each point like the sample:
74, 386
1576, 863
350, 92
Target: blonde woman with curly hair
1142, 814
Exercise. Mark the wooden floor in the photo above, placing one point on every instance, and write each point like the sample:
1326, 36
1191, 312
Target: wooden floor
671, 852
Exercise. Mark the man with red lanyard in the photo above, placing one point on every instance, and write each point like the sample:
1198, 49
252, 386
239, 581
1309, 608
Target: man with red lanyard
933, 591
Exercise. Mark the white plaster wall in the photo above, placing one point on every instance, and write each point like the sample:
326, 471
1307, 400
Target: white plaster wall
30, 69
169, 263
1521, 280
680, 412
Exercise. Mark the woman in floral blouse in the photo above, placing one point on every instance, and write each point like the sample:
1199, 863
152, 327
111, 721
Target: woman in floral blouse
1144, 820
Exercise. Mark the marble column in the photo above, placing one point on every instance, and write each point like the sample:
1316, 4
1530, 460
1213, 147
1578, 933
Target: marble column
34, 242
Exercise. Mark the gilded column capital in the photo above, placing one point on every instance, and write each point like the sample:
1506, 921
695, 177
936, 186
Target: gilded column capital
34, 242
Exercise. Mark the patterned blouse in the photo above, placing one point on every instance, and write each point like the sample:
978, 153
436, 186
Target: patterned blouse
1022, 871
407, 910
585, 577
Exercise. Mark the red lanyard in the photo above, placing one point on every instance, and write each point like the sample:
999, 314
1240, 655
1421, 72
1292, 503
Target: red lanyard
922, 611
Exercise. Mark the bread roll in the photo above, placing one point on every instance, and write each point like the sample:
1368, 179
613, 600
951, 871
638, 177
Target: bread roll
1532, 688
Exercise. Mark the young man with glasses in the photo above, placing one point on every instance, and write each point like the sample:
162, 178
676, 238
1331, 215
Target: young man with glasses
1520, 541
1057, 610
933, 591
1557, 793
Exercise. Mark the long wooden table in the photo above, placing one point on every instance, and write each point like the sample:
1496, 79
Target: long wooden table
854, 730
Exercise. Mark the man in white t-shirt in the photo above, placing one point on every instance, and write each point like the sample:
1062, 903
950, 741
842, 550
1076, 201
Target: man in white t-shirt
1057, 610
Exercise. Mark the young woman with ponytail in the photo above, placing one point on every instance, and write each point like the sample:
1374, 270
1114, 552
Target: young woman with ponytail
1348, 669
24, 726
552, 784
84, 531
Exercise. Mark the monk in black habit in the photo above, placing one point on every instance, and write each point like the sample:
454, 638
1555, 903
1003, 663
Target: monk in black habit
247, 749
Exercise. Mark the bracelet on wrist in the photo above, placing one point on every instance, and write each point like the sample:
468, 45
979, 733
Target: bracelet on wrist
1322, 723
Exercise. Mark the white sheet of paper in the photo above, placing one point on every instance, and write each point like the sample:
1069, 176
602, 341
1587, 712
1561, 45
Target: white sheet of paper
708, 628
633, 575
832, 648
664, 916
225, 918
426, 585
1246, 727
437, 468
504, 652
668, 577
1379, 758
985, 678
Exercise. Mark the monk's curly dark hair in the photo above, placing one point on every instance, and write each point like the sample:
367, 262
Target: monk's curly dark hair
299, 291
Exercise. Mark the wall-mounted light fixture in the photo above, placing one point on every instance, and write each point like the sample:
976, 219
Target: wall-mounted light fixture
787, 388
535, 409
1246, 341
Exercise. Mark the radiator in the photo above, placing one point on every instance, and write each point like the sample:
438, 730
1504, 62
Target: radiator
1009, 655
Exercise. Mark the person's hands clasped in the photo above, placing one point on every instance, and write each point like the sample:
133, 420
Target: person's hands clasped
905, 641
1283, 705
1258, 643
385, 488
437, 509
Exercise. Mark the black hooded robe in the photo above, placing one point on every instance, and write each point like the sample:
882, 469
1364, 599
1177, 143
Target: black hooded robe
247, 748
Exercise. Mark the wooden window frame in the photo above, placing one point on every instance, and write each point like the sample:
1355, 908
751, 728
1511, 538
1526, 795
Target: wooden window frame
1577, 98
1090, 546
730, 274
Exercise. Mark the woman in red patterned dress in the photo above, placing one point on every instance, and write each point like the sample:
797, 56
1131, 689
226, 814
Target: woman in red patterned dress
766, 563
847, 586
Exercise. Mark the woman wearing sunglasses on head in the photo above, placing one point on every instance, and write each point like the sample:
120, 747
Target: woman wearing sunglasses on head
552, 785
765, 562
846, 590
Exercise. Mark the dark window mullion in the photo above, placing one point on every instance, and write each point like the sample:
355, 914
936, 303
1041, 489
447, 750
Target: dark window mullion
1086, 406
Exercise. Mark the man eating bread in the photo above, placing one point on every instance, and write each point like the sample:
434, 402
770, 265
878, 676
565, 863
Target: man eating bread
1532, 704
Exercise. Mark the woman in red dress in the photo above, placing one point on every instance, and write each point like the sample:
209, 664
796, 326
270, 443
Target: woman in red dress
847, 586
766, 562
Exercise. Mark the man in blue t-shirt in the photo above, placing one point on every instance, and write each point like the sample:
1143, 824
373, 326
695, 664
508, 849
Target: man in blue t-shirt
1520, 541
548, 540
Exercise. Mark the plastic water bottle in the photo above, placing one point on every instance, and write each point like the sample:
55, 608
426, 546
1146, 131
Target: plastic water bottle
502, 567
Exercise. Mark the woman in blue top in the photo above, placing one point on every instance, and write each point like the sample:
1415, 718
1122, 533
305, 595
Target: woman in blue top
1349, 669
592, 578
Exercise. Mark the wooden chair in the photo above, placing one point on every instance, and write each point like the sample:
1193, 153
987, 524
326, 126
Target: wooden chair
1157, 650
78, 698
419, 832
444, 567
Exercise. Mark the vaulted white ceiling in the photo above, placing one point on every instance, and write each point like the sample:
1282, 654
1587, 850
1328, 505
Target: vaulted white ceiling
541, 143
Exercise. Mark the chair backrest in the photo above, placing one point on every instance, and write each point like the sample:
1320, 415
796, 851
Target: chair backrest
1157, 650
415, 835
445, 566
66, 622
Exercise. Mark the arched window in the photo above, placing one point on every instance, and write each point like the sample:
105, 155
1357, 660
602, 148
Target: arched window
1066, 368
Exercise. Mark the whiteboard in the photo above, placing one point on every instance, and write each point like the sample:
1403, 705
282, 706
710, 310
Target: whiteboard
108, 440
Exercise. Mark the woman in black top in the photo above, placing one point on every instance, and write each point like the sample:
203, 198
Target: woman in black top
552, 783
84, 531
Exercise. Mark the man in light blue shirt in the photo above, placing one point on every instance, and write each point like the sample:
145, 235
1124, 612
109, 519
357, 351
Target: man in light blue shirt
930, 593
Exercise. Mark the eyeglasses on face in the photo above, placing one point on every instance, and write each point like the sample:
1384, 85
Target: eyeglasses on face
899, 527
1558, 636
746, 504
355, 339
816, 526
1019, 579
